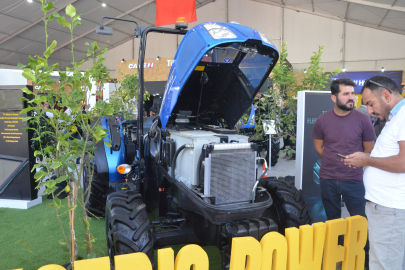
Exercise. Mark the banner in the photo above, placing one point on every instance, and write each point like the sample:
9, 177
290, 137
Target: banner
360, 77
306, 248
167, 11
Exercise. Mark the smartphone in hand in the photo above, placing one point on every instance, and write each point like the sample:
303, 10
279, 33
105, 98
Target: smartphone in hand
342, 156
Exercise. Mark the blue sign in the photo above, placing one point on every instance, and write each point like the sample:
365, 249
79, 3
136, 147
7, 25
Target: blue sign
360, 77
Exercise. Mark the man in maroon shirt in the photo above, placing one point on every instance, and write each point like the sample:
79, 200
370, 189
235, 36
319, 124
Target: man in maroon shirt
343, 131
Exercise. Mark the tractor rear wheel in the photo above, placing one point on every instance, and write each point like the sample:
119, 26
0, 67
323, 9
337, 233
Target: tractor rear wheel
127, 225
289, 208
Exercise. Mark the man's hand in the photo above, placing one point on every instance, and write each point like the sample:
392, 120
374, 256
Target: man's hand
356, 160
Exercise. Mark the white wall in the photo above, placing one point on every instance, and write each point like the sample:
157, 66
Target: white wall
362, 48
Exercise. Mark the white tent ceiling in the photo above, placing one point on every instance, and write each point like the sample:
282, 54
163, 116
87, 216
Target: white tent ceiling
22, 29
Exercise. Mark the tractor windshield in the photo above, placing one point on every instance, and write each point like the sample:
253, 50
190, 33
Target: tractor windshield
254, 67
252, 64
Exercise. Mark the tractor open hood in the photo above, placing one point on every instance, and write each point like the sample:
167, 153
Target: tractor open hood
216, 73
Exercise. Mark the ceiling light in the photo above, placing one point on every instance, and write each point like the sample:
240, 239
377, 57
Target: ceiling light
382, 69
104, 4
29, 1
344, 69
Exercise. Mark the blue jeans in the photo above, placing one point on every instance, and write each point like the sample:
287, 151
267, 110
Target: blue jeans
352, 193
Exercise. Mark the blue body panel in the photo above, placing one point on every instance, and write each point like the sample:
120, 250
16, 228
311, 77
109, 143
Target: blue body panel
195, 44
116, 157
251, 123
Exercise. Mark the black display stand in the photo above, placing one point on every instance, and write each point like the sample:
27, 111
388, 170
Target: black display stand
311, 104
15, 144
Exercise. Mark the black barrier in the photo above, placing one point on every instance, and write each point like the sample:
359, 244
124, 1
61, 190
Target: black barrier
15, 143
10, 170
311, 104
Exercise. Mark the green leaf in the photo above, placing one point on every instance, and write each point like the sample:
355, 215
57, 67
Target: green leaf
75, 18
108, 144
47, 7
95, 46
70, 11
61, 179
56, 165
87, 43
76, 23
71, 166
87, 223
38, 175
27, 91
36, 153
63, 243
50, 49
28, 74
56, 15
50, 18
71, 208
62, 21
27, 110
20, 66
50, 183
35, 166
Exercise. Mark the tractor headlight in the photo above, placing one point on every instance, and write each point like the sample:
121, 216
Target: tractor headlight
123, 168
264, 38
218, 32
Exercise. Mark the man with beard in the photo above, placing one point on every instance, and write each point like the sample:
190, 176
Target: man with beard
342, 130
384, 176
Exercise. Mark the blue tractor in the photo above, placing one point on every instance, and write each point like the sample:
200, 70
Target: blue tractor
183, 177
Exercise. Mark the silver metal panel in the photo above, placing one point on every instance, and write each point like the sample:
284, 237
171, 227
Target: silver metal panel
187, 161
232, 176
299, 149
207, 176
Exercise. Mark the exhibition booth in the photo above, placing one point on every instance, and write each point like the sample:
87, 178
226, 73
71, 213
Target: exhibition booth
204, 160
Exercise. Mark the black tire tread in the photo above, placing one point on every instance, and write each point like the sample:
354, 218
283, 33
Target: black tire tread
275, 151
292, 210
128, 225
98, 193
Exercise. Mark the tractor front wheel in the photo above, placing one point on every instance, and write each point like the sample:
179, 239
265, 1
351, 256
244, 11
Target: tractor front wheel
127, 225
289, 208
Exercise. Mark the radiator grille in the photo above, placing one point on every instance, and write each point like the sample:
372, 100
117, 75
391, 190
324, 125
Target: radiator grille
232, 176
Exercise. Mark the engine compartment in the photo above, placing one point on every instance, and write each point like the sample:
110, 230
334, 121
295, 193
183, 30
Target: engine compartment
221, 168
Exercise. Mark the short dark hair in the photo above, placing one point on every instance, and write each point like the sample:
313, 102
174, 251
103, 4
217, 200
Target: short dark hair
334, 85
379, 83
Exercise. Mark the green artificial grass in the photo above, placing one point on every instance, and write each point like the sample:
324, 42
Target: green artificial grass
29, 239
